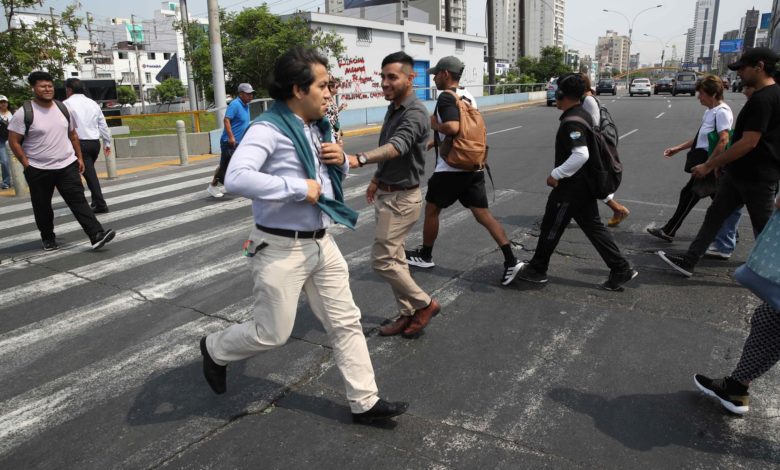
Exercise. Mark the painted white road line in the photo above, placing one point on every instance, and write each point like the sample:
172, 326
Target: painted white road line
120, 187
627, 134
504, 130
660, 115
669, 106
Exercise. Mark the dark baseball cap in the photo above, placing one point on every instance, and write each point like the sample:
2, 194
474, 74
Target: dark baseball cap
754, 56
450, 63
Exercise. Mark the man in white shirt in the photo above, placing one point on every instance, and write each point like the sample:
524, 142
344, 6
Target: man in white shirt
43, 138
90, 126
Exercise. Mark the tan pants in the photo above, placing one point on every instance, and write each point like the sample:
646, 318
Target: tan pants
280, 271
395, 213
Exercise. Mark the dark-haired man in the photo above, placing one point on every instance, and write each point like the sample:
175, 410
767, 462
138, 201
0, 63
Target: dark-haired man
51, 157
449, 184
395, 192
90, 127
571, 197
292, 170
751, 164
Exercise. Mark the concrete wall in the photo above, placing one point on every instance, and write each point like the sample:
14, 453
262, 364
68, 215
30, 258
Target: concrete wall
161, 145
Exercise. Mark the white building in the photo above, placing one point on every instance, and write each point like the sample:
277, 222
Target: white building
368, 42
704, 25
422, 11
612, 52
524, 27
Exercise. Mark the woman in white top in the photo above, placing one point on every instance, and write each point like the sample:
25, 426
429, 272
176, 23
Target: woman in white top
717, 117
5, 164
591, 105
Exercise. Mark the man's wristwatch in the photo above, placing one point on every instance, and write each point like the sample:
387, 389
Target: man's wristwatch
362, 159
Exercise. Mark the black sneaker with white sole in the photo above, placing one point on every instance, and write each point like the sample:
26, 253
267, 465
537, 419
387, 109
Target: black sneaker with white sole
730, 393
50, 245
617, 279
416, 258
102, 238
510, 272
528, 273
679, 263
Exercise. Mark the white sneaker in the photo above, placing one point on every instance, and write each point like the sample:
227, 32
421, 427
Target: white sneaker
222, 189
214, 191
713, 252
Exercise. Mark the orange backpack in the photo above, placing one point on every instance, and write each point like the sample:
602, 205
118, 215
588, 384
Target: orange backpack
468, 149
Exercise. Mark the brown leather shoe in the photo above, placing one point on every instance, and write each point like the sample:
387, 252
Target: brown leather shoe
395, 327
421, 318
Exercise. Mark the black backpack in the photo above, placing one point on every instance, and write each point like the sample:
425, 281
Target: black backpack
604, 168
607, 125
28, 114
3, 130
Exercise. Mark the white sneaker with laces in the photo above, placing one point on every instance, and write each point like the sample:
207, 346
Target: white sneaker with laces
214, 191
713, 252
510, 272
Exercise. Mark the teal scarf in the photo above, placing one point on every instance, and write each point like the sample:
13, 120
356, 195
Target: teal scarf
282, 117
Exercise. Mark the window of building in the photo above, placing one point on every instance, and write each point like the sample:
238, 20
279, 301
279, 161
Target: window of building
418, 38
460, 45
148, 77
122, 55
152, 56
128, 77
74, 74
104, 75
364, 34
166, 55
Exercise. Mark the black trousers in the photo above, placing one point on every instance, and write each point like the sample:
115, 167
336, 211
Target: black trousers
68, 182
581, 206
224, 160
757, 196
90, 149
687, 202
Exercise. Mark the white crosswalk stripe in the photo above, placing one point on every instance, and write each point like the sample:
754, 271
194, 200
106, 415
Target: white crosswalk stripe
189, 251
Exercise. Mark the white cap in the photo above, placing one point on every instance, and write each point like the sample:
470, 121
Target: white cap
3, 98
245, 88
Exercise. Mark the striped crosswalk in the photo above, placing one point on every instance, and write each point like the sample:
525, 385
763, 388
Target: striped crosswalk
176, 262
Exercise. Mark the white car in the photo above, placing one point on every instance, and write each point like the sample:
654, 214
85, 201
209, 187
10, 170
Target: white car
640, 86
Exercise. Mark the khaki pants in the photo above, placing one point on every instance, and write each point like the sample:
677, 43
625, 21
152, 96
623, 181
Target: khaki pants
395, 213
280, 271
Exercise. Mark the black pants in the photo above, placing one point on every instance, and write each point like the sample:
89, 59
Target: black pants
224, 161
757, 196
583, 208
68, 182
90, 149
687, 202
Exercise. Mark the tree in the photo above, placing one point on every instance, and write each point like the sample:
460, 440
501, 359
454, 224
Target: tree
169, 90
197, 50
125, 94
549, 64
49, 44
252, 39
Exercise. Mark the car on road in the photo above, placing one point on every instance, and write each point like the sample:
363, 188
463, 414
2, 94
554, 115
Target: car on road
684, 82
663, 85
552, 87
606, 85
640, 86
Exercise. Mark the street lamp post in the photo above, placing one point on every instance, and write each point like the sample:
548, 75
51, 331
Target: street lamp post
630, 35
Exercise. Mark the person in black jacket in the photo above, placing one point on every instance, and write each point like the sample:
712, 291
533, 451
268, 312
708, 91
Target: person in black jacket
571, 197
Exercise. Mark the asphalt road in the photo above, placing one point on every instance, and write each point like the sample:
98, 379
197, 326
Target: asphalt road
101, 369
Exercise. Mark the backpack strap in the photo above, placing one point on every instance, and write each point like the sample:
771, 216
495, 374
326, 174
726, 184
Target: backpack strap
64, 110
579, 120
28, 115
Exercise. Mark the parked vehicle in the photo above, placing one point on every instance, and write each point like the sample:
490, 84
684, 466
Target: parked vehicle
639, 86
664, 85
606, 85
552, 87
684, 82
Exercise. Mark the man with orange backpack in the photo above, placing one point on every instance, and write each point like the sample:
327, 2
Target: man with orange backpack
461, 151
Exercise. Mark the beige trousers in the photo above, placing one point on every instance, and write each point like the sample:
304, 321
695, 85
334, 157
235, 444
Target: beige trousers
281, 270
395, 214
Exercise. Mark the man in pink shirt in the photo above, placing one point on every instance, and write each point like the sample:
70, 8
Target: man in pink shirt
48, 149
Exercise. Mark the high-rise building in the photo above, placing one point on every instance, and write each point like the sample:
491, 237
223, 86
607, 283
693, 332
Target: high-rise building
612, 52
774, 26
705, 23
748, 27
690, 40
524, 27
430, 11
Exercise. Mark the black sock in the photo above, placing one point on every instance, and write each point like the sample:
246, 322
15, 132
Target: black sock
509, 257
426, 251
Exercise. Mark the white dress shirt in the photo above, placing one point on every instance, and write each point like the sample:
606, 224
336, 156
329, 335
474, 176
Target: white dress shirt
90, 122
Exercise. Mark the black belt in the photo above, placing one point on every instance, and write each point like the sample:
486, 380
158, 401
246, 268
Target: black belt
391, 188
89, 140
292, 233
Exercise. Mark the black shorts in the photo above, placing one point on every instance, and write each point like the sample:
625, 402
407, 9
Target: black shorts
468, 187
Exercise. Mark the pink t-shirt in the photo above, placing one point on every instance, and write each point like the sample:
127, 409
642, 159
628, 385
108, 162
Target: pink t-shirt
46, 145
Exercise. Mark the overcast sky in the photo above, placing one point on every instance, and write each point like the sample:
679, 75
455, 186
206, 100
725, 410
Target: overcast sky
584, 21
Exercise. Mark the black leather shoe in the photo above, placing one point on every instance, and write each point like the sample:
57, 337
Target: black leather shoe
100, 210
380, 411
215, 374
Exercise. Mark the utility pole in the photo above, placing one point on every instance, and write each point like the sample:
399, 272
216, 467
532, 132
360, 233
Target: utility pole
217, 68
138, 65
91, 45
185, 25
491, 46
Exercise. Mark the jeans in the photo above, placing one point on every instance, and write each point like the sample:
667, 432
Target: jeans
726, 239
5, 165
